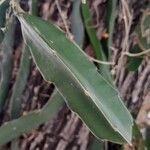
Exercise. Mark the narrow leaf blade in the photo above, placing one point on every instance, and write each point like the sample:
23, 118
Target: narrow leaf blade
15, 128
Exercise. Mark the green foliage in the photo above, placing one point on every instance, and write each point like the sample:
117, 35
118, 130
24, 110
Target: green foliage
91, 32
20, 82
133, 63
77, 27
110, 19
4, 4
141, 33
1, 35
3, 7
147, 142
81, 85
34, 9
97, 47
96, 145
6, 48
16, 127
86, 90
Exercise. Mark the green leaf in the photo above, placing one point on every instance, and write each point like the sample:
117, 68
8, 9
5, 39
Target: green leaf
1, 36
15, 101
141, 33
4, 4
99, 53
34, 7
147, 140
77, 27
144, 29
96, 145
91, 31
110, 19
134, 63
15, 128
86, 92
6, 66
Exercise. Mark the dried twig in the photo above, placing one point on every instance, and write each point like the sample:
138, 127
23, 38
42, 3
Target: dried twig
142, 120
64, 20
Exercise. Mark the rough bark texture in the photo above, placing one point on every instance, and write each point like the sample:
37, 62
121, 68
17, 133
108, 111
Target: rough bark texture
66, 131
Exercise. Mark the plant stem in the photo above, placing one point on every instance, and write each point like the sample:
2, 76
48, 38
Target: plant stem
137, 54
